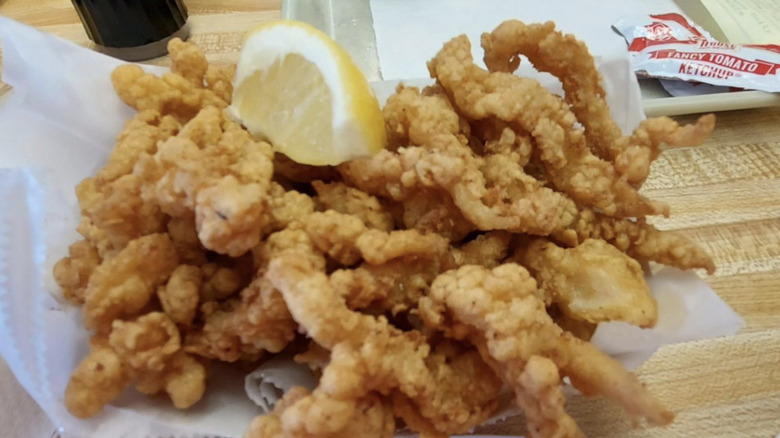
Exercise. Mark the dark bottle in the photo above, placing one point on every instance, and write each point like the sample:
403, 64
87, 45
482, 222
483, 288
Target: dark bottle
133, 30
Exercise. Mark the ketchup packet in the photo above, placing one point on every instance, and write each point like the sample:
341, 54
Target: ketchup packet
668, 46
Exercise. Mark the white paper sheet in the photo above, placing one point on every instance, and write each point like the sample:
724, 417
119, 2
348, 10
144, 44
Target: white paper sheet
410, 32
57, 127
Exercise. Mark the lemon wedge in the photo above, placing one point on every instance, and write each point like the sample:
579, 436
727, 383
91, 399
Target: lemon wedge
301, 91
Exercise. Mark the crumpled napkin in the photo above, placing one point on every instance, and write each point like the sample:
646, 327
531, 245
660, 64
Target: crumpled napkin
58, 125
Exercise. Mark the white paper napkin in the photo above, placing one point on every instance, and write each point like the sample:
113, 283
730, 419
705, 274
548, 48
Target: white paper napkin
57, 127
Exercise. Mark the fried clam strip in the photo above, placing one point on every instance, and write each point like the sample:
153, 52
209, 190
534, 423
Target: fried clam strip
568, 162
122, 286
189, 62
111, 201
214, 169
225, 276
349, 200
432, 211
444, 161
368, 355
191, 85
119, 211
569, 60
170, 94
145, 351
396, 268
180, 296
411, 116
346, 239
72, 272
488, 250
593, 282
139, 136
500, 311
373, 418
258, 320
395, 286
638, 239
97, 238
286, 207
644, 145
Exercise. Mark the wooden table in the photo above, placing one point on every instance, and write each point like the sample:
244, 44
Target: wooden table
725, 194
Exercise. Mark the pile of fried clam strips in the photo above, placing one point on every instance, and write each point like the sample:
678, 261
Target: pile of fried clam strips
477, 252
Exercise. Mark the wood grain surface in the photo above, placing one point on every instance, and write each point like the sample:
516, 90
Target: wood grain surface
725, 194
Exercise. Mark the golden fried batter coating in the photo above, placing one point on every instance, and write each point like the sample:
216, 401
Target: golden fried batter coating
286, 207
433, 212
221, 282
411, 117
96, 381
444, 161
502, 313
97, 238
170, 94
124, 214
244, 328
258, 320
543, 402
183, 379
187, 61
145, 351
569, 164
214, 169
219, 79
368, 354
488, 250
373, 417
123, 285
184, 235
593, 281
336, 235
568, 59
348, 200
180, 296
114, 213
638, 239
145, 343
139, 136
72, 273
447, 164
645, 144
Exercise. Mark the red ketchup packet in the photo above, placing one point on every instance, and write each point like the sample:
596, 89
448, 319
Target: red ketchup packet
668, 46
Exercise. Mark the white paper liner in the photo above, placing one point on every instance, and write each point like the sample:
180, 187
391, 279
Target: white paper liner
265, 385
58, 126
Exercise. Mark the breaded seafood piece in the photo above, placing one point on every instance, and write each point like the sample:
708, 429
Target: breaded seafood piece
122, 286
213, 169
593, 282
502, 313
